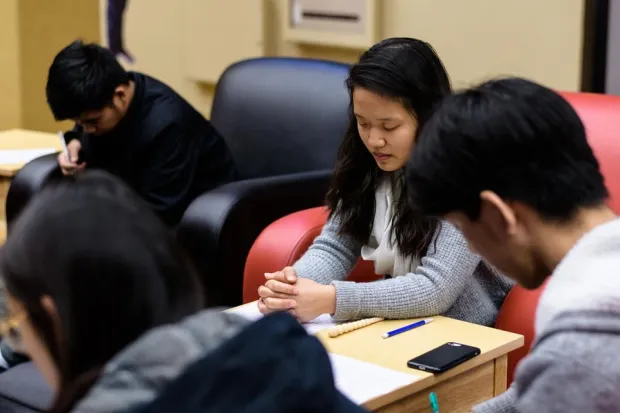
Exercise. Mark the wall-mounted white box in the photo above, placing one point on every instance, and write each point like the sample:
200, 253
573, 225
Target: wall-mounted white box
340, 23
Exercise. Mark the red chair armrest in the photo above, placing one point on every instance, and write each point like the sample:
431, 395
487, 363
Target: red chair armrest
517, 315
279, 245
284, 242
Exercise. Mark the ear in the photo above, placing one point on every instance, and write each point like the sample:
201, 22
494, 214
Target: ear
121, 92
501, 214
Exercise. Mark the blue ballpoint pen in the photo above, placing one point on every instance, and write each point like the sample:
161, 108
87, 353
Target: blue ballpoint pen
434, 403
407, 328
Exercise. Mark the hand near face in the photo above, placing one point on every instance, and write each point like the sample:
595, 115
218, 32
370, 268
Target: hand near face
304, 298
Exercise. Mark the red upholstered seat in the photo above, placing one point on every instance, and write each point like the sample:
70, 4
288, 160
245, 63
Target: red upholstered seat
284, 241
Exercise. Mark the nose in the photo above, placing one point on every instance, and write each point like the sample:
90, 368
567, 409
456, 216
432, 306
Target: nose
376, 139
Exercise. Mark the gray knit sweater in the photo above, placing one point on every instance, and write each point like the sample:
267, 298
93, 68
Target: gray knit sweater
450, 280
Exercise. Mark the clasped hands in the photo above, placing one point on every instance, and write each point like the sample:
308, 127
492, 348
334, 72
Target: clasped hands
303, 298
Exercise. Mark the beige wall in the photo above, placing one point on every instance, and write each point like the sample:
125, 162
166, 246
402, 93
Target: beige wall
476, 39
45, 28
153, 34
32, 32
10, 95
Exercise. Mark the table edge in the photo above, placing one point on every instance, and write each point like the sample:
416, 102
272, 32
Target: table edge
429, 379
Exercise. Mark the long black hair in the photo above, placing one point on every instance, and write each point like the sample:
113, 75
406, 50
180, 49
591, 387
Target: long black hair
410, 72
112, 269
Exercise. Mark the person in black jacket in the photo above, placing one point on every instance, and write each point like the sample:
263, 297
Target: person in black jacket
135, 127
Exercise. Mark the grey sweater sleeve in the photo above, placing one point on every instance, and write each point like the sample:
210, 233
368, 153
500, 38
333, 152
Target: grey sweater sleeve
504, 403
431, 289
570, 372
331, 256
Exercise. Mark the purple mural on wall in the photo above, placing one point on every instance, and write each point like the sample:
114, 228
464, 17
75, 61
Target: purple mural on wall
116, 13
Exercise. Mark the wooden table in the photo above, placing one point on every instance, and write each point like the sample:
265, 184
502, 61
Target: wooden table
19, 139
458, 389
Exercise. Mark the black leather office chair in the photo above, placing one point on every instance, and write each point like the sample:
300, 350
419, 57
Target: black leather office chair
27, 182
283, 119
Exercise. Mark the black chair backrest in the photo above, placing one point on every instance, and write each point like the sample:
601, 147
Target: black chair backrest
282, 115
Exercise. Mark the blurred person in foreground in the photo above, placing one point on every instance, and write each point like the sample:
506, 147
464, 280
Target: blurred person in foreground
109, 309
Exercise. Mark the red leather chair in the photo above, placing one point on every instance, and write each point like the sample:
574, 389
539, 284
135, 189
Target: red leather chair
517, 316
284, 241
601, 117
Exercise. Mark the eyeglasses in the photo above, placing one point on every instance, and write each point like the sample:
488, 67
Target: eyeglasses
9, 327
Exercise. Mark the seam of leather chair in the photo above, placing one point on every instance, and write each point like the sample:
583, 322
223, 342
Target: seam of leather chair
300, 239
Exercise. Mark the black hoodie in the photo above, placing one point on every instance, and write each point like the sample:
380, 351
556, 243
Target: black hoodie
163, 148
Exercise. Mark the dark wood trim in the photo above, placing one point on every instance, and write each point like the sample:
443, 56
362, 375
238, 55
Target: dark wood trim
594, 56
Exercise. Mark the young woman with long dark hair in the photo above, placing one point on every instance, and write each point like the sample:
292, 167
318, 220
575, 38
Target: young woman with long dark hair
395, 87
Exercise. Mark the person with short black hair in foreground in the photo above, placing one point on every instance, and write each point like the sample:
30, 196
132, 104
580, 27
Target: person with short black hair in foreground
508, 163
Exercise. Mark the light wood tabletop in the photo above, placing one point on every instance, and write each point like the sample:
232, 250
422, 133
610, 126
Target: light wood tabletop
24, 139
458, 389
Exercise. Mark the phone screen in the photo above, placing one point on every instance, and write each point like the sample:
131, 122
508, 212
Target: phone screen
444, 357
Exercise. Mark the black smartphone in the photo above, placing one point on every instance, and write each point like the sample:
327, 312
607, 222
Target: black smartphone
443, 357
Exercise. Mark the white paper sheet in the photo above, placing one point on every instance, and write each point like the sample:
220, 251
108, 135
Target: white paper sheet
22, 156
361, 381
319, 323
358, 380
250, 311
